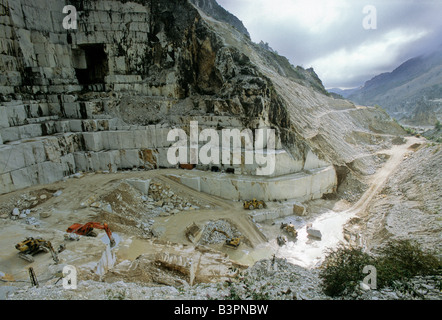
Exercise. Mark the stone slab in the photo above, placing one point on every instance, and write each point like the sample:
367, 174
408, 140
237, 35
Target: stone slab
140, 185
300, 186
130, 159
4, 120
93, 141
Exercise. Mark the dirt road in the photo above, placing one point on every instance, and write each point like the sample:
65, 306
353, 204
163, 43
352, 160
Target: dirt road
355, 228
72, 206
378, 180
335, 224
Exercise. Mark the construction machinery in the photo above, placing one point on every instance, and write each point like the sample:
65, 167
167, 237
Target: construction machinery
253, 204
290, 229
30, 247
281, 240
88, 230
193, 233
230, 242
33, 277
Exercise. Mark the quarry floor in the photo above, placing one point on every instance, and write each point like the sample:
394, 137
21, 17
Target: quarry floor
83, 198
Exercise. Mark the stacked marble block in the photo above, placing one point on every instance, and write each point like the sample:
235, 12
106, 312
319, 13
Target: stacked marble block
141, 147
303, 186
44, 141
39, 145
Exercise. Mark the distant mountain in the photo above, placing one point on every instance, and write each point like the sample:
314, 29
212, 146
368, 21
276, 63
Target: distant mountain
412, 93
345, 93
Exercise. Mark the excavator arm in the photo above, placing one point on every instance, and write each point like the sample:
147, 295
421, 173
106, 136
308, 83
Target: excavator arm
220, 231
48, 245
107, 230
87, 228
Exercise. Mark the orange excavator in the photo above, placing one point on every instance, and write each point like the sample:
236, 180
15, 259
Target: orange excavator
88, 230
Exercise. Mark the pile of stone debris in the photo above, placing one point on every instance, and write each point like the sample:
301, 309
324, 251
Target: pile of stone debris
267, 279
161, 196
24, 205
270, 279
158, 200
217, 232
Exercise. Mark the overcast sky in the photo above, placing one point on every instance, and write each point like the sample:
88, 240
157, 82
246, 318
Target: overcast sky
329, 35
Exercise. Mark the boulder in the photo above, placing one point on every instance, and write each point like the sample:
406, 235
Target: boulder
364, 287
22, 215
299, 209
45, 214
159, 203
32, 221
282, 240
140, 185
108, 208
314, 233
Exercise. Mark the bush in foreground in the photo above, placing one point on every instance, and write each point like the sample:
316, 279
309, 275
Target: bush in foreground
402, 260
396, 263
342, 270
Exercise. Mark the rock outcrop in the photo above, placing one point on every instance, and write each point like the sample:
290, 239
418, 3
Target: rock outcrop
104, 96
213, 9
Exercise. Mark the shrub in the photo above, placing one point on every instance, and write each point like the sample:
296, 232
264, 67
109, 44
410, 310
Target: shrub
396, 262
401, 260
342, 270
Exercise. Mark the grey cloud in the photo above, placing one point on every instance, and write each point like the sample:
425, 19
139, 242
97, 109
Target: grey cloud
303, 48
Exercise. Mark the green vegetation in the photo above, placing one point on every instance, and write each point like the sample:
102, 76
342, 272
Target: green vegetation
403, 260
396, 263
379, 107
434, 134
410, 131
343, 270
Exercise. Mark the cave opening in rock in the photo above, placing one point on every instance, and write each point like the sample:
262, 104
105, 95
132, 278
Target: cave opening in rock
91, 66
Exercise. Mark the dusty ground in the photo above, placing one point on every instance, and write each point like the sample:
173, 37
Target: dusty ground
407, 205
152, 246
140, 229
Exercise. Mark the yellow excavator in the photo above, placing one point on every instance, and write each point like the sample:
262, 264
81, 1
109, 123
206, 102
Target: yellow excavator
290, 229
254, 204
30, 247
230, 242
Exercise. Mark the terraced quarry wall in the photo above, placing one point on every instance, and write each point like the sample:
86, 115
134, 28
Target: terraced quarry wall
28, 157
104, 97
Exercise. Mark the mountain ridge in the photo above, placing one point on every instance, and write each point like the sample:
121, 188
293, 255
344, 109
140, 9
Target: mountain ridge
212, 8
404, 92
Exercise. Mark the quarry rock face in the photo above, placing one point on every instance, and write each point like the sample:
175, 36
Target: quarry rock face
104, 96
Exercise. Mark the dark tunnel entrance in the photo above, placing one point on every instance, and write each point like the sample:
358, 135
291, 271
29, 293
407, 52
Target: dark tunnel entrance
91, 66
